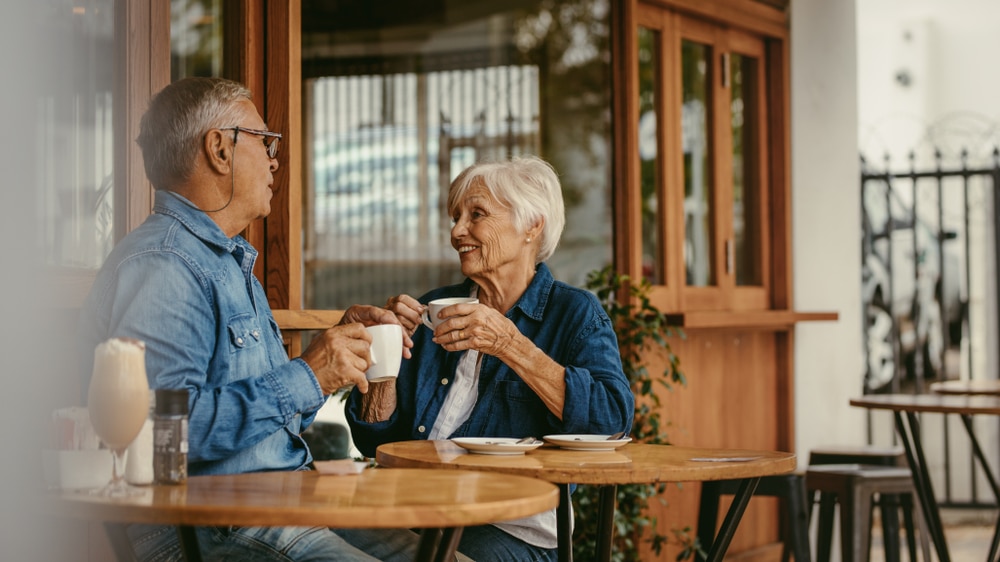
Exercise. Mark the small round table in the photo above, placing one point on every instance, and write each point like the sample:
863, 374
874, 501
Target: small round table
989, 387
440, 502
635, 463
905, 409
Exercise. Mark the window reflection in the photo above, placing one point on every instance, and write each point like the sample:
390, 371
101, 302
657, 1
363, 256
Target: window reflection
743, 122
395, 106
75, 135
698, 219
649, 160
195, 38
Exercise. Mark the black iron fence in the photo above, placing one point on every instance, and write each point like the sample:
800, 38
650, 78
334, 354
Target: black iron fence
930, 249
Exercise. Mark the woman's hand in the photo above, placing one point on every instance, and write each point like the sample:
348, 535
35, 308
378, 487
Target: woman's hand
476, 326
407, 310
485, 329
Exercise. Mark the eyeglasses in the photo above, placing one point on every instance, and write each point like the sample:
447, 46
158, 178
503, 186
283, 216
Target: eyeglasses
270, 138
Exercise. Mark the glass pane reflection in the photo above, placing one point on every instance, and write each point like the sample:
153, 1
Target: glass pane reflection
698, 219
744, 123
195, 38
73, 119
397, 103
649, 161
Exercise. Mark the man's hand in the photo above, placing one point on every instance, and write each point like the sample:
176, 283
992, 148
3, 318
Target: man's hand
371, 316
340, 356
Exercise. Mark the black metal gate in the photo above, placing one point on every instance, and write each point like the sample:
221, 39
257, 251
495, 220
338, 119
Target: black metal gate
930, 249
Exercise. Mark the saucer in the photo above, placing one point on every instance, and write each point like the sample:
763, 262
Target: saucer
495, 445
586, 442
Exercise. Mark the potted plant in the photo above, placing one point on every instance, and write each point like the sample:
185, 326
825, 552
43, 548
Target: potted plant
641, 328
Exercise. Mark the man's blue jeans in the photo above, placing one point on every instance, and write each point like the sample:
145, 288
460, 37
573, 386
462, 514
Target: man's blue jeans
156, 543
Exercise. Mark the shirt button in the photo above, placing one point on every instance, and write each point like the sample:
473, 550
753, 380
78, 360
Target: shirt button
421, 429
239, 341
256, 334
444, 381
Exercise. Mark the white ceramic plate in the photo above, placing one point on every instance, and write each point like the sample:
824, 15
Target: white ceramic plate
495, 445
586, 442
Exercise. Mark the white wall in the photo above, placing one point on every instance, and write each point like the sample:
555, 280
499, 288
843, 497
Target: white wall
826, 224
946, 49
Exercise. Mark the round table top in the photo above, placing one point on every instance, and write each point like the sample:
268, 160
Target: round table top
632, 464
376, 498
938, 403
979, 386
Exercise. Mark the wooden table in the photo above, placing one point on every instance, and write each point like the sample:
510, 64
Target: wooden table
634, 463
905, 408
438, 501
979, 386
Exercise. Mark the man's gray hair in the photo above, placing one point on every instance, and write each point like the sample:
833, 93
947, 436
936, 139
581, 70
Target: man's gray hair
528, 186
173, 129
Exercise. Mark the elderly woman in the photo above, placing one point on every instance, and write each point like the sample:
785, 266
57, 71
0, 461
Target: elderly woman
534, 357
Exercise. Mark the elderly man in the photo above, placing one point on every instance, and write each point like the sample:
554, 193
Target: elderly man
183, 283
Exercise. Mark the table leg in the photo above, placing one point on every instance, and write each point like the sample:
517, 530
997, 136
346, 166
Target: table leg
119, 541
189, 543
978, 451
427, 547
448, 545
909, 432
744, 492
606, 522
564, 525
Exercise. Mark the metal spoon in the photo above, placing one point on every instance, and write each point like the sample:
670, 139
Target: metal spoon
616, 436
528, 439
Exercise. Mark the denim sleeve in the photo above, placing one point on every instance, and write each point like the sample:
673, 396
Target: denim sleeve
598, 396
161, 299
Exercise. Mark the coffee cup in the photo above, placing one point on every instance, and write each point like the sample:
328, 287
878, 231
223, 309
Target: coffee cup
386, 352
430, 315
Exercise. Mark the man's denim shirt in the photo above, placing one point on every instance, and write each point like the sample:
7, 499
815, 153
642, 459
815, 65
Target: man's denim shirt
180, 285
566, 322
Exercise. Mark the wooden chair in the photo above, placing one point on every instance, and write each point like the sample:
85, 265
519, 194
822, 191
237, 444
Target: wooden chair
294, 323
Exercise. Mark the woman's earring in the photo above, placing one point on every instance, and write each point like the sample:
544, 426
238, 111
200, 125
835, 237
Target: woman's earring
528, 240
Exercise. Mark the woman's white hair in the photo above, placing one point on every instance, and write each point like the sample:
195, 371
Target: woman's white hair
528, 186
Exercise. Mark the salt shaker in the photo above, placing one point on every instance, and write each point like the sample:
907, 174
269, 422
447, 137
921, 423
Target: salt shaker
139, 460
170, 436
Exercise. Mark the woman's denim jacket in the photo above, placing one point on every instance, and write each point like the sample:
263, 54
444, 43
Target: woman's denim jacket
566, 322
180, 285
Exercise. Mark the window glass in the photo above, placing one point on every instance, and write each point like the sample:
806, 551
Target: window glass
698, 219
195, 38
73, 116
649, 157
744, 123
398, 102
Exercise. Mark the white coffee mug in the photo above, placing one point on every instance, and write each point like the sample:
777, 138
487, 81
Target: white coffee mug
430, 315
386, 352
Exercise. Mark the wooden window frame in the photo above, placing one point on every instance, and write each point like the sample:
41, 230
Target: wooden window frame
742, 23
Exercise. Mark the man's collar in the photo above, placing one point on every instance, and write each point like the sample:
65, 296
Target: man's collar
196, 221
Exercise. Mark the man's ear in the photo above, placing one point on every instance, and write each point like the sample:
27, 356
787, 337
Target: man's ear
218, 151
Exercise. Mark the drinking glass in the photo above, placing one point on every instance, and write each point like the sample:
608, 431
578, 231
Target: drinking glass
118, 401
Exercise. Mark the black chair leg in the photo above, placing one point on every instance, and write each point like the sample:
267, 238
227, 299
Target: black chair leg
824, 534
889, 504
798, 521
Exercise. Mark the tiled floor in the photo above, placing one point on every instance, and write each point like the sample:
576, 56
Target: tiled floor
968, 533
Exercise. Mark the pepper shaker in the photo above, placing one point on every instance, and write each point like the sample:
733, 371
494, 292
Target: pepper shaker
170, 436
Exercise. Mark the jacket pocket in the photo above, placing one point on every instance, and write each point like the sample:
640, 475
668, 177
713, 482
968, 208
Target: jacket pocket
244, 333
